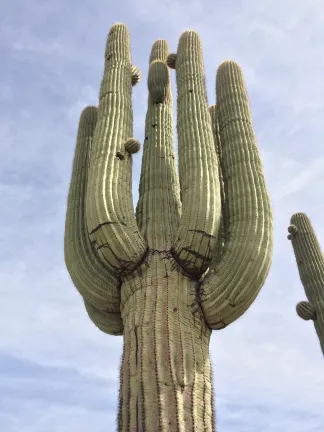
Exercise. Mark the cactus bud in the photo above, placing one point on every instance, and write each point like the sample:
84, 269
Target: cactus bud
292, 229
136, 75
171, 61
132, 145
306, 311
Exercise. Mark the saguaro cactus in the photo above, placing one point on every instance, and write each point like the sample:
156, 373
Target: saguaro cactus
310, 262
199, 249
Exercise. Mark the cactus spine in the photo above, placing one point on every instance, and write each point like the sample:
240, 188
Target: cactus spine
199, 249
310, 263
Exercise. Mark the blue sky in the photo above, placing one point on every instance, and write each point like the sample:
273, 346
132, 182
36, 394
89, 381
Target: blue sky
58, 373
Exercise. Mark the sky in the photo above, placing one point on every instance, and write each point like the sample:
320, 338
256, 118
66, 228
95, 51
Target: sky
58, 372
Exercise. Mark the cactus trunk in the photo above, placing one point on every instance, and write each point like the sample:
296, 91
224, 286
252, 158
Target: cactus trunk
198, 250
166, 371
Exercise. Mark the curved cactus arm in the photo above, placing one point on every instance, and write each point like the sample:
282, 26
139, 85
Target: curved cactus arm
159, 206
95, 282
105, 320
198, 168
310, 263
109, 206
232, 284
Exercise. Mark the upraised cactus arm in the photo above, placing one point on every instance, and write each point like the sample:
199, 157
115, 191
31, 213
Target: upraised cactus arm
159, 205
95, 281
109, 204
235, 280
198, 167
310, 263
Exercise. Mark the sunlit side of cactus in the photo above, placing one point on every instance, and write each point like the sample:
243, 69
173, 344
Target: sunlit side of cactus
310, 262
198, 251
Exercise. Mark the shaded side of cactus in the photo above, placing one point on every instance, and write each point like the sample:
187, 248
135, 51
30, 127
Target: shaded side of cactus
198, 250
310, 263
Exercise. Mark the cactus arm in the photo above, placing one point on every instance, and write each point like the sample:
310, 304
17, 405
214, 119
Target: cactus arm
232, 284
198, 168
159, 206
105, 320
109, 207
95, 282
310, 263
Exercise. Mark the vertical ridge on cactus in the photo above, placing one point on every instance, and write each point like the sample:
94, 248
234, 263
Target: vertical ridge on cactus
198, 250
310, 263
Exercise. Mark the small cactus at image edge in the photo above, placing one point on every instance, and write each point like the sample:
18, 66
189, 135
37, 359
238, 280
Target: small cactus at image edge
310, 263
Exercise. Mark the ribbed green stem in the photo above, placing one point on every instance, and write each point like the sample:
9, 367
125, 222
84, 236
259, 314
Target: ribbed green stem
166, 372
158, 209
95, 282
310, 262
109, 206
198, 167
234, 282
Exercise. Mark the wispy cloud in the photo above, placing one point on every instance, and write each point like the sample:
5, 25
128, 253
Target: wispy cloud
57, 371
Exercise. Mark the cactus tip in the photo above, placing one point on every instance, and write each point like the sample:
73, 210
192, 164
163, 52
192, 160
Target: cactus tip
230, 66
158, 81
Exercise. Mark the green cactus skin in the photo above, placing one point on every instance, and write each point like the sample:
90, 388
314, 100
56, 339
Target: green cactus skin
199, 249
310, 263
